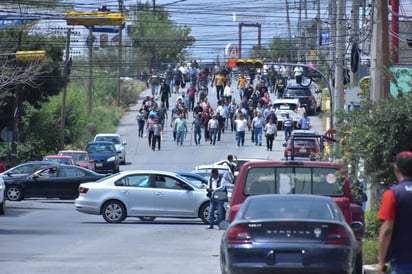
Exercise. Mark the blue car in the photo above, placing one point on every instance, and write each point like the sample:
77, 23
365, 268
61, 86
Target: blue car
104, 156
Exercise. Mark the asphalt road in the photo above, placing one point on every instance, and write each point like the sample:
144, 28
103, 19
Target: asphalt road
49, 236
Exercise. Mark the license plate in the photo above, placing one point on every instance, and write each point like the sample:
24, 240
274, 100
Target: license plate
99, 164
303, 150
288, 257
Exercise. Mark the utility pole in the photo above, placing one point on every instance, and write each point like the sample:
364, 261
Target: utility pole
340, 55
289, 29
90, 83
380, 52
332, 49
355, 33
65, 74
119, 58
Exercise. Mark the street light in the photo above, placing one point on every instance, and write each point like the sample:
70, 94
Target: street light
90, 19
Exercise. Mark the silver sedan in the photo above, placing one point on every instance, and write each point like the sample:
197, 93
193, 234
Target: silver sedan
145, 194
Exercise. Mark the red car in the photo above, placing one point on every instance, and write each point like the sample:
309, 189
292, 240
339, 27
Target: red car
80, 157
301, 177
60, 159
306, 144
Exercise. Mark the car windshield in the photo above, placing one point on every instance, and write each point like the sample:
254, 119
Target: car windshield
273, 208
113, 139
294, 180
305, 142
298, 92
285, 106
77, 156
100, 148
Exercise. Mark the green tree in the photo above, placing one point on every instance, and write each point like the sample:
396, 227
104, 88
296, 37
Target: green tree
372, 136
156, 38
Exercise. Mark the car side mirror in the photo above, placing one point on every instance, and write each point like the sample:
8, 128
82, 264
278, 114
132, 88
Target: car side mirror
356, 226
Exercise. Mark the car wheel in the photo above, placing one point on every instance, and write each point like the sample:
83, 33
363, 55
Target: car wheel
2, 208
358, 264
113, 212
14, 193
147, 218
204, 213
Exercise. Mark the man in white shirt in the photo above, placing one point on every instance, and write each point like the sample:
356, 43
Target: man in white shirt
240, 126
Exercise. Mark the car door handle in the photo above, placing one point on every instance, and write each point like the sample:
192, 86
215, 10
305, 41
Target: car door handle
159, 194
125, 192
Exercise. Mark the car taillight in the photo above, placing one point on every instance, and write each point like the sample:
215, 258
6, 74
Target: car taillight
238, 234
338, 235
83, 189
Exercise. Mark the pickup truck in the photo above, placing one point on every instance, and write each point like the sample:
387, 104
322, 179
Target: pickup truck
301, 177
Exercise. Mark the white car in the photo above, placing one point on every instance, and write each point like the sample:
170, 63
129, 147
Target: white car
205, 170
118, 142
2, 196
145, 194
290, 106
240, 163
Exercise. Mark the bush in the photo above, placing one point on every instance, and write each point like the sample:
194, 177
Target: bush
370, 241
370, 251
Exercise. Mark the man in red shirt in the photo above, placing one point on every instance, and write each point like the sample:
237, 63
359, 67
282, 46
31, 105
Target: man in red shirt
395, 237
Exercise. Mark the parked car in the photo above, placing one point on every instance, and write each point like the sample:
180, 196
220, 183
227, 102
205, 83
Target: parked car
300, 177
303, 144
118, 142
56, 181
80, 157
25, 169
288, 234
193, 177
2, 196
288, 106
304, 94
146, 194
205, 170
103, 156
60, 159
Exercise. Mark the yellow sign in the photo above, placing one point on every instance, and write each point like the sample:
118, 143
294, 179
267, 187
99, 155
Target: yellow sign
94, 18
30, 55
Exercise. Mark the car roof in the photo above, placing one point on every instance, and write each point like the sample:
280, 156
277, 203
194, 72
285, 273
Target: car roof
199, 167
107, 134
72, 151
145, 171
100, 143
304, 133
59, 156
293, 164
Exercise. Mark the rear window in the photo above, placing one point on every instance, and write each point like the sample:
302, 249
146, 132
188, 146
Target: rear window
293, 180
305, 142
297, 92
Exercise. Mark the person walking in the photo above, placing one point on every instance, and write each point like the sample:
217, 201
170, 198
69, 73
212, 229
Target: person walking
304, 122
213, 126
180, 128
149, 129
287, 126
165, 93
257, 127
197, 127
395, 238
141, 120
157, 134
191, 94
270, 133
240, 126
219, 83
241, 85
216, 182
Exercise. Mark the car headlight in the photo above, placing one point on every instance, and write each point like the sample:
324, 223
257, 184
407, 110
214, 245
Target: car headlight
111, 159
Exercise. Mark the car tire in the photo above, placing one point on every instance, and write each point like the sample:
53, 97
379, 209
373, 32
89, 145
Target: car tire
14, 193
147, 218
358, 269
113, 212
2, 208
204, 212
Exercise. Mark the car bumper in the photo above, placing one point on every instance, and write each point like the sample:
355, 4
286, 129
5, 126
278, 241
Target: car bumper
295, 260
88, 207
105, 167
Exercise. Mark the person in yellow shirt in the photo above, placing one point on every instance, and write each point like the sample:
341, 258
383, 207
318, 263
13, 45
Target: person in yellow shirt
241, 85
220, 84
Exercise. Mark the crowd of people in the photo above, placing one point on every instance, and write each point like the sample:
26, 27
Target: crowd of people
244, 104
